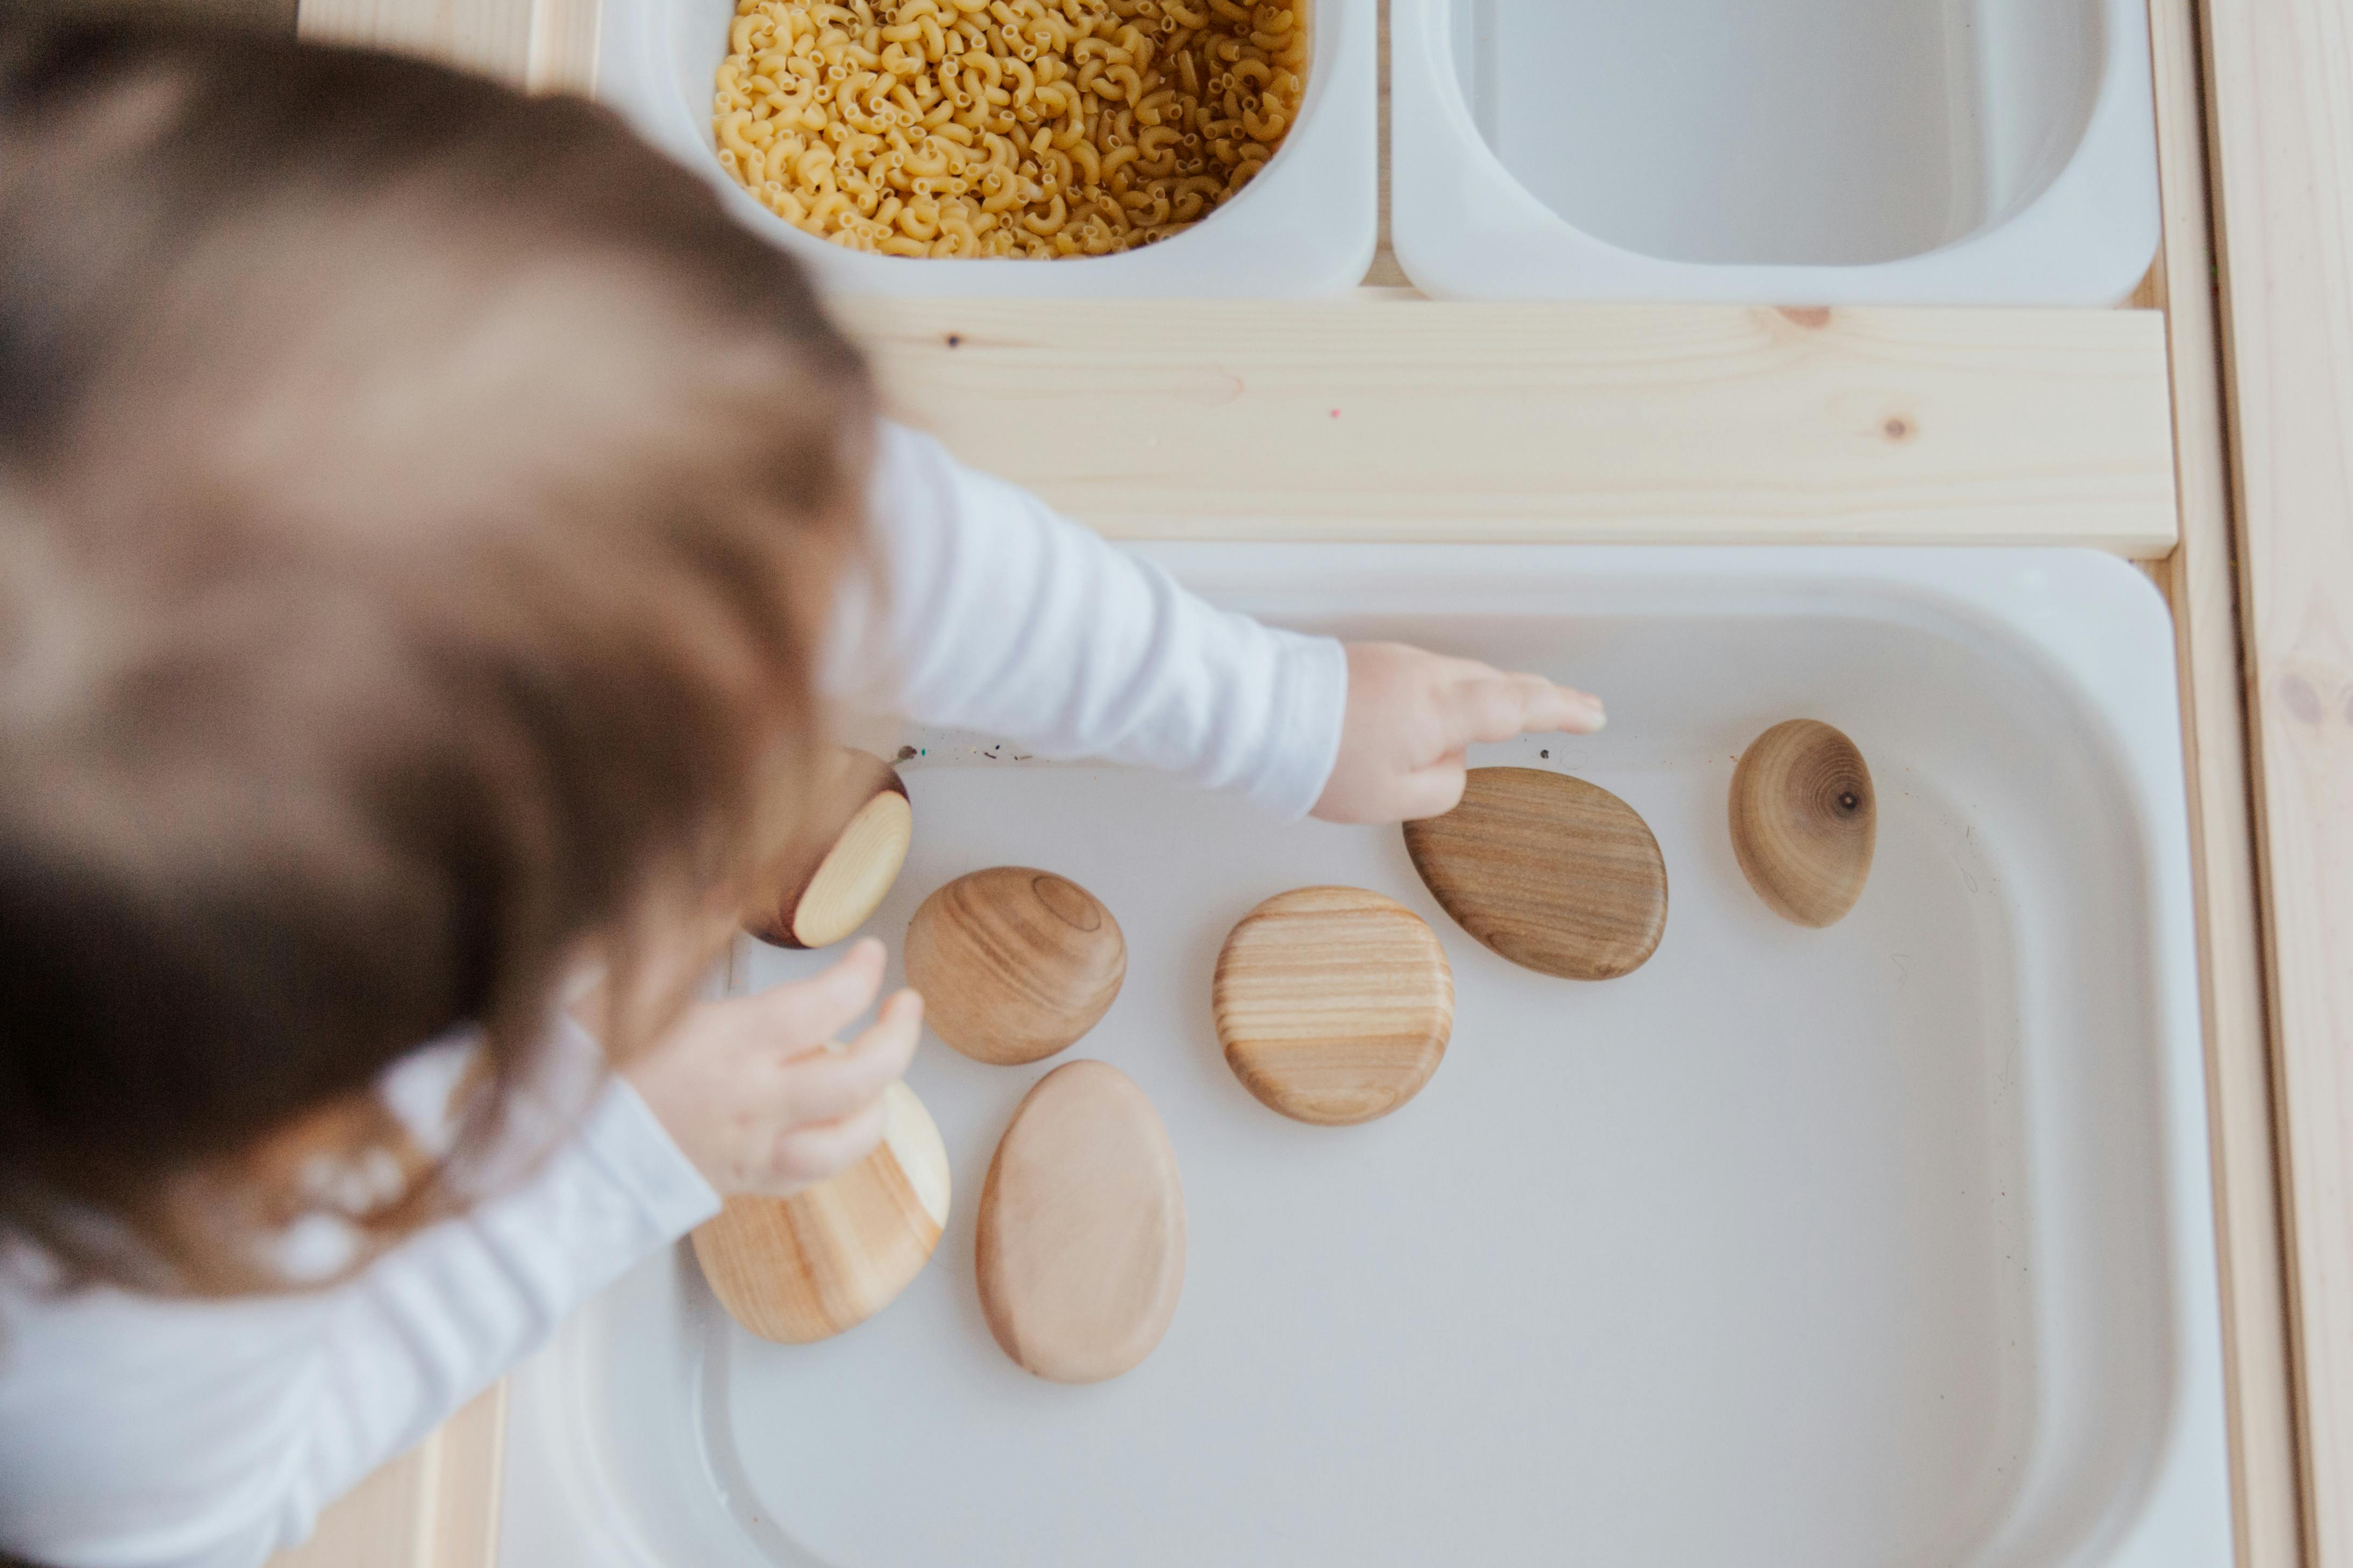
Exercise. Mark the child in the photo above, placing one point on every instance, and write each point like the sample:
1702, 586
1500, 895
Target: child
429, 527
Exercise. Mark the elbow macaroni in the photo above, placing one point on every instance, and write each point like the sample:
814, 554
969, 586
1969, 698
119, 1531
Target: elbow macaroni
1004, 128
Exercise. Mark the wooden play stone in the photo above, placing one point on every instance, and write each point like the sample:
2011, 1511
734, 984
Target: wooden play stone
1804, 821
838, 873
1081, 1248
1556, 874
831, 1256
1014, 963
1333, 1005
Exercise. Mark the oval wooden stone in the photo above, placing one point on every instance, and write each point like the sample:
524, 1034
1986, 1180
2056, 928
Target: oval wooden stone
828, 1257
1333, 1005
1804, 821
1014, 963
839, 872
1556, 874
1081, 1255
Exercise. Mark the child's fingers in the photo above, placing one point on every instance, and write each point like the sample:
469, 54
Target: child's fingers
1552, 706
1492, 706
824, 1085
807, 1012
807, 1155
1432, 790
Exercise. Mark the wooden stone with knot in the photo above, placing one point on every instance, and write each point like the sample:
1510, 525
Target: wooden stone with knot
1804, 821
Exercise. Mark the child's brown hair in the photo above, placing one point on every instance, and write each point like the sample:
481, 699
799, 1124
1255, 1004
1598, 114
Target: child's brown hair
419, 505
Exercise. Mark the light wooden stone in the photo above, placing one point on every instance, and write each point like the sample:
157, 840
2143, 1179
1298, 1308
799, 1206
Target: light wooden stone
1014, 963
1080, 1254
826, 1258
1333, 1005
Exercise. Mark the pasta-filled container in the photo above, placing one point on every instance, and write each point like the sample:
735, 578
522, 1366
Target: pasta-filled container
1175, 148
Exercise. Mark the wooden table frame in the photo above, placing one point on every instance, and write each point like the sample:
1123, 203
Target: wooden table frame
2249, 312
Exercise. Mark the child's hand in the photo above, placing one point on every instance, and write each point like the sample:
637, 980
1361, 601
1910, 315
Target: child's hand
1411, 713
749, 1089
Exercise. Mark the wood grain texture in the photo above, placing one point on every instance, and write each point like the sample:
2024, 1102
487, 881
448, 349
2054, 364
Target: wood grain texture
808, 1266
1556, 874
1080, 1255
826, 886
2280, 77
1804, 821
1014, 963
1385, 271
470, 1453
2201, 583
1332, 1004
561, 54
493, 36
386, 1521
548, 46
1691, 423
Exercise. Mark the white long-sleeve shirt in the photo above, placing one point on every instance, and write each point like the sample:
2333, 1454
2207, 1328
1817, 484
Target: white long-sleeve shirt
144, 1433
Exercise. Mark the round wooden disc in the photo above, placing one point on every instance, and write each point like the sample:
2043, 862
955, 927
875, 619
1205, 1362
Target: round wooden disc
1333, 1005
1014, 963
1556, 874
1080, 1255
1804, 821
829, 1257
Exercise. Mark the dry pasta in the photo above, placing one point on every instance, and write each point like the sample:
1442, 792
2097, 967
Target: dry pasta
1031, 128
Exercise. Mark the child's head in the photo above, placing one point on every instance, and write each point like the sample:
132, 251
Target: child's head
418, 509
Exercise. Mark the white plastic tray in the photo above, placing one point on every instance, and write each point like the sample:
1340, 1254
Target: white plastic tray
1884, 1244
1307, 225
1807, 152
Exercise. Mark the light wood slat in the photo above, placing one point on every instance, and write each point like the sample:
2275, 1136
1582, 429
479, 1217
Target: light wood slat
549, 46
2201, 583
384, 1522
467, 1481
436, 1506
489, 36
562, 54
2280, 100
1691, 423
1385, 272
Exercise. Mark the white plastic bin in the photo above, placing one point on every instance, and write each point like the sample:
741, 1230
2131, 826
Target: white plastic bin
1879, 1247
1307, 225
1799, 152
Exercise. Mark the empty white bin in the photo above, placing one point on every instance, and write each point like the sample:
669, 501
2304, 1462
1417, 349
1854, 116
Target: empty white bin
1306, 225
1806, 151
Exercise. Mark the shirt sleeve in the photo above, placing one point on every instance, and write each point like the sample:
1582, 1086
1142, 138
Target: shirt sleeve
144, 1433
992, 613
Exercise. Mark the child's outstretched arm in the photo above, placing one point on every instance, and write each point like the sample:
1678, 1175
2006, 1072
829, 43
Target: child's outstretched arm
1006, 618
